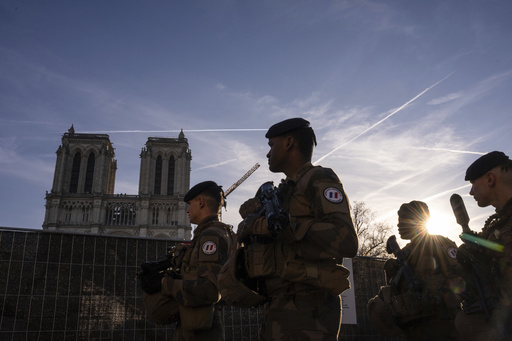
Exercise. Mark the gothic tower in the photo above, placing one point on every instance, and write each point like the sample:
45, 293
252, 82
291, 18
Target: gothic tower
165, 167
82, 198
85, 164
164, 181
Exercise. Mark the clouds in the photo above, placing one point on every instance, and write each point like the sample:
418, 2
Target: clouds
21, 165
446, 99
395, 111
402, 96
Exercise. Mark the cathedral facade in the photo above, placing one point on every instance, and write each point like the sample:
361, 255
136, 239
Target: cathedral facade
82, 198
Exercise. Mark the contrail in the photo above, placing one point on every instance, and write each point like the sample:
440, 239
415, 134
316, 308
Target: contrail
391, 213
169, 131
385, 118
451, 150
395, 183
449, 191
28, 122
215, 165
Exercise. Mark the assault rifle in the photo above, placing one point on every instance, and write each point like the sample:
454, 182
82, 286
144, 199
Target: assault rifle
170, 264
276, 216
473, 261
405, 270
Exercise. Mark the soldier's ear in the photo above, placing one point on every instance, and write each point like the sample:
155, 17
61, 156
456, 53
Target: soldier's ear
491, 179
289, 142
200, 201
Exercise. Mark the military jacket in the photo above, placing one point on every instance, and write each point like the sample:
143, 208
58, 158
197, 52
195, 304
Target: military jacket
212, 244
498, 228
320, 235
321, 226
433, 261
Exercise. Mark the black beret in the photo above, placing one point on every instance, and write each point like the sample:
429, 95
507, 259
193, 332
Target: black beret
286, 126
415, 210
206, 186
484, 164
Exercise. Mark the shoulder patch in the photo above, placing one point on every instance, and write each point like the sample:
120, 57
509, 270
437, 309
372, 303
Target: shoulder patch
209, 247
452, 253
333, 195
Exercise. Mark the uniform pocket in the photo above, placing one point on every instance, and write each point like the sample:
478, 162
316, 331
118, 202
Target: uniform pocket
260, 260
328, 276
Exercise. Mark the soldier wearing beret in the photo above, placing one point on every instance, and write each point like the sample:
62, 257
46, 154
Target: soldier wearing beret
491, 184
300, 267
418, 295
193, 296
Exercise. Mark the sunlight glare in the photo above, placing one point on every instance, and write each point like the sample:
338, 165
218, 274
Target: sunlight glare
439, 224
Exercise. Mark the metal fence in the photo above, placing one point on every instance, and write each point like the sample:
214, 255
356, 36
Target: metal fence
60, 286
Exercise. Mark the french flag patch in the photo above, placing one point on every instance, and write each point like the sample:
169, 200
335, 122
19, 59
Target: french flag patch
333, 195
209, 247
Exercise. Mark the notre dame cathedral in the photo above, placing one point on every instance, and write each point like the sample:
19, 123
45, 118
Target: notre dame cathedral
82, 198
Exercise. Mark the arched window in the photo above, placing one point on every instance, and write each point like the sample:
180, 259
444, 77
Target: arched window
170, 177
89, 175
75, 172
158, 175
154, 221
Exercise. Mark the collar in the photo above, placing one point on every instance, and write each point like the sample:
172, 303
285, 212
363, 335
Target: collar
506, 210
300, 172
206, 222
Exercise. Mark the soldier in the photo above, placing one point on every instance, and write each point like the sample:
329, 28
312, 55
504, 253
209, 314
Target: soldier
193, 296
485, 318
418, 294
299, 268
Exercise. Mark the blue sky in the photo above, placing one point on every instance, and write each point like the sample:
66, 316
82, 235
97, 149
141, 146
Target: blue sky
403, 95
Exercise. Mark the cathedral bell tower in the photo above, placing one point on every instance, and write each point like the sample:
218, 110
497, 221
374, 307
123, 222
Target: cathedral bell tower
82, 198
85, 164
165, 167
164, 181
85, 171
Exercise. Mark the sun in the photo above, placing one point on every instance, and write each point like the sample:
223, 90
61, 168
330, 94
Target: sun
438, 223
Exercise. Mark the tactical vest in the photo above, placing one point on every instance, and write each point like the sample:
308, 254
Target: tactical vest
277, 259
235, 287
434, 263
498, 229
201, 318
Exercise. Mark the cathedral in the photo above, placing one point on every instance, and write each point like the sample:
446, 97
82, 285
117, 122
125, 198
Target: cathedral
82, 198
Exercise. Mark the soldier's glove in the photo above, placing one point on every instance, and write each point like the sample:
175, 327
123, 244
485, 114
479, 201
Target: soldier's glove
249, 207
150, 279
253, 225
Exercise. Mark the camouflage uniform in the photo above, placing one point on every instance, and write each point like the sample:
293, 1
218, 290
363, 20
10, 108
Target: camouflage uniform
196, 291
498, 228
300, 268
427, 313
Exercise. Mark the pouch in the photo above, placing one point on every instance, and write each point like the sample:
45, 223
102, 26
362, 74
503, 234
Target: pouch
197, 318
260, 260
328, 276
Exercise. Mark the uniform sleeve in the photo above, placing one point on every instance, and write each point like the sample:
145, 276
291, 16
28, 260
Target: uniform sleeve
198, 285
330, 233
504, 259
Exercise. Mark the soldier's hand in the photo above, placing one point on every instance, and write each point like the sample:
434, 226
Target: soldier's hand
150, 279
391, 268
249, 207
253, 225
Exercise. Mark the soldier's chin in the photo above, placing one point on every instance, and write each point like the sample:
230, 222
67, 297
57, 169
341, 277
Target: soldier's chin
482, 204
273, 169
406, 235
